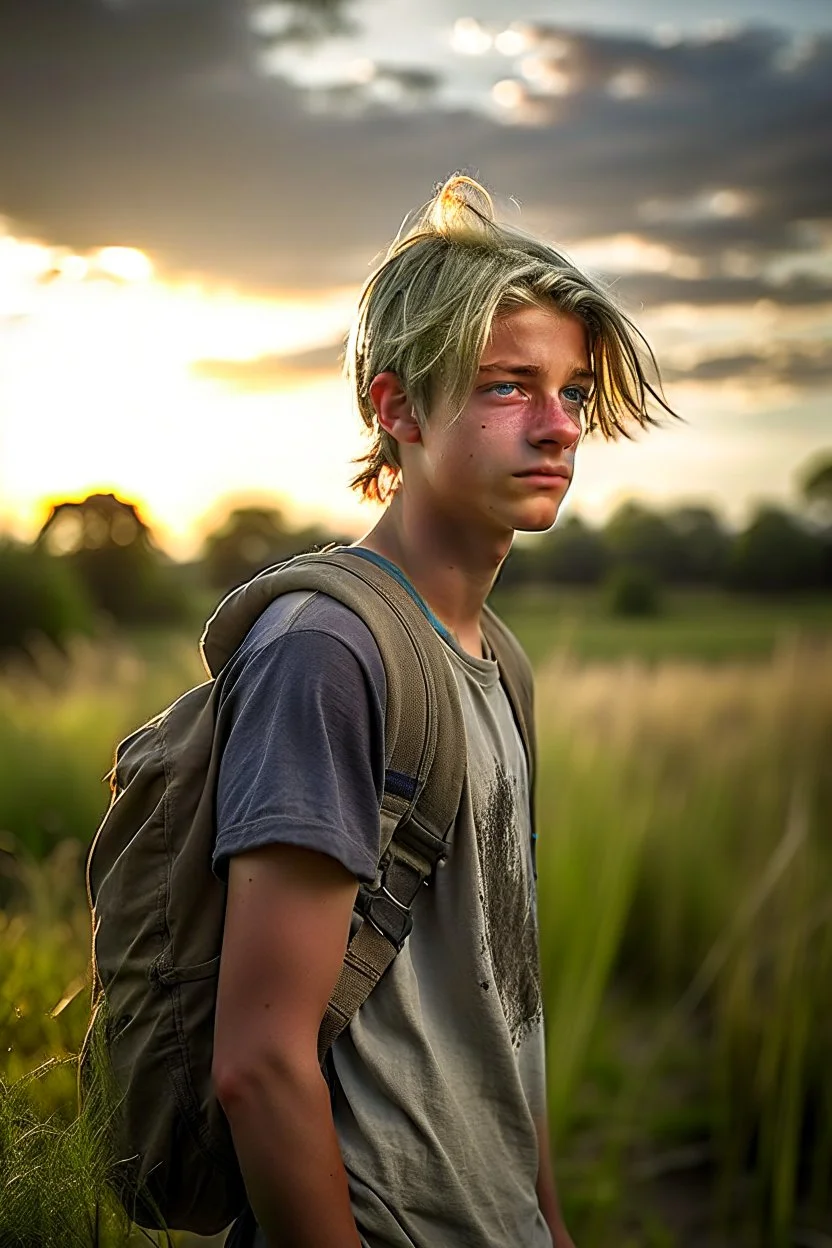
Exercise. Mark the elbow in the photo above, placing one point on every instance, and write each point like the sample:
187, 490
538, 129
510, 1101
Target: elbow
232, 1082
242, 1080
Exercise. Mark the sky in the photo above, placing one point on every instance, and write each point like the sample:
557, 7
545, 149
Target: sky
193, 191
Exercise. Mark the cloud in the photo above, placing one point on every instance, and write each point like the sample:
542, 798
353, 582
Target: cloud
148, 124
271, 372
659, 289
718, 119
375, 87
795, 366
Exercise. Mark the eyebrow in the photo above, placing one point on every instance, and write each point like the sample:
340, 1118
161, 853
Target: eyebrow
530, 370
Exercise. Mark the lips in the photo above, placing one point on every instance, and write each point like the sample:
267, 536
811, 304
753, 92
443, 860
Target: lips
545, 470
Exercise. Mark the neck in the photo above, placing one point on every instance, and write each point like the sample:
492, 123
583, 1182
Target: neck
452, 568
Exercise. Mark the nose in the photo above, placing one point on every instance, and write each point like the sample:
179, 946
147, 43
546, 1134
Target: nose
554, 424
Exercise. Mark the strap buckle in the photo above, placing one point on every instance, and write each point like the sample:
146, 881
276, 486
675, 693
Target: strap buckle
389, 917
388, 906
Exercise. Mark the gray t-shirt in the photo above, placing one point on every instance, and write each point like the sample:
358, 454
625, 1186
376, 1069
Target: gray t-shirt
439, 1078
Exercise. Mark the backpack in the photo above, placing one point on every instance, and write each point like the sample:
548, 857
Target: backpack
157, 909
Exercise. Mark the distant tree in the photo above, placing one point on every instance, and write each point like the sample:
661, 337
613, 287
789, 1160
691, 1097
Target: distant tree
638, 537
249, 540
520, 567
41, 597
704, 545
111, 550
574, 553
816, 486
816, 489
776, 554
527, 563
632, 591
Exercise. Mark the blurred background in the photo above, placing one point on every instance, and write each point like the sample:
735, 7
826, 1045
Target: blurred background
191, 194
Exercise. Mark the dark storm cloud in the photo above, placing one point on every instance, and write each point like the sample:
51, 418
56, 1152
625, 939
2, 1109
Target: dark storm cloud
146, 123
657, 289
389, 86
270, 372
718, 115
792, 366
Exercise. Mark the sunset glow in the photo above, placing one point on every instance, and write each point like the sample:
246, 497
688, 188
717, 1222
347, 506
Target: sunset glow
98, 390
174, 394
192, 199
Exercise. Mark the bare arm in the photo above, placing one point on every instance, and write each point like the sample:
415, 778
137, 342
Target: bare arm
286, 929
547, 1196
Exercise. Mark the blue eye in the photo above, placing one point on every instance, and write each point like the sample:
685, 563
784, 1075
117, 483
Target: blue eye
574, 394
503, 389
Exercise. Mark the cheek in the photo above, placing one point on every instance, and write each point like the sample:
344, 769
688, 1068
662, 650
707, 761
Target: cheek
477, 452
462, 447
500, 441
478, 447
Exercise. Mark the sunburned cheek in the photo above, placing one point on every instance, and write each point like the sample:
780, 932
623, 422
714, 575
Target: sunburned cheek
501, 432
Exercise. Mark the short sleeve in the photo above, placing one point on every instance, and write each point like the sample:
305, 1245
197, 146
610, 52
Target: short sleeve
302, 721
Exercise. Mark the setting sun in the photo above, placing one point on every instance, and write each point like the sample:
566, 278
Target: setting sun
101, 388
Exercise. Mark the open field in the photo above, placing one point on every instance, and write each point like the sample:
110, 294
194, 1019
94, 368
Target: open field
692, 624
685, 813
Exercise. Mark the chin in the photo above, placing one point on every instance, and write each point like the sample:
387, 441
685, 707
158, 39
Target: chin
537, 520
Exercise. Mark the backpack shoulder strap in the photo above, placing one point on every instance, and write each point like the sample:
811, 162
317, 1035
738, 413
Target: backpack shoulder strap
515, 674
518, 682
424, 766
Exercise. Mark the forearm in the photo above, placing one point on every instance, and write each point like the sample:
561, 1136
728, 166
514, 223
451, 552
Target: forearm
289, 1157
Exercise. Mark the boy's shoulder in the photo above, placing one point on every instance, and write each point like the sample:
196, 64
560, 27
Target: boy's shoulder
324, 618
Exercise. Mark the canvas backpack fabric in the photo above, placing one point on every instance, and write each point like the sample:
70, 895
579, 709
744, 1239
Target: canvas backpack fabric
157, 908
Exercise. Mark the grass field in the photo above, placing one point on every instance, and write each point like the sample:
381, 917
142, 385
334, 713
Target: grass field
685, 806
704, 625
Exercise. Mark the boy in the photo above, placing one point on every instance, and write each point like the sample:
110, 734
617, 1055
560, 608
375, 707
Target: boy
477, 358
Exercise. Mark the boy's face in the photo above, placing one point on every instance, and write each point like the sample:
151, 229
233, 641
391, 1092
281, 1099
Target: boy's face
506, 462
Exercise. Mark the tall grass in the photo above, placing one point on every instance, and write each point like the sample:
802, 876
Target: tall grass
55, 1172
684, 814
685, 862
59, 724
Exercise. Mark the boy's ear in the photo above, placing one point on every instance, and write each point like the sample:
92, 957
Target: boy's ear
393, 408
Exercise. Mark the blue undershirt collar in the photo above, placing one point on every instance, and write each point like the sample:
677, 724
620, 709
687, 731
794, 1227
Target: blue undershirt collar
382, 562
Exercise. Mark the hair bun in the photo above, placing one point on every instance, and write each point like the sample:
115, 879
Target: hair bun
462, 207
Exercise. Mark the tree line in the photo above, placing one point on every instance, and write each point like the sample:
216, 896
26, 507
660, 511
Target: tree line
777, 552
96, 562
96, 565
640, 549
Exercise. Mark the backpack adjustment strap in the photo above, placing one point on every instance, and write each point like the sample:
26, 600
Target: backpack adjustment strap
368, 956
387, 921
424, 845
388, 907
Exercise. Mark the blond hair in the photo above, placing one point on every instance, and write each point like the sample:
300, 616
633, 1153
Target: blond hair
426, 312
